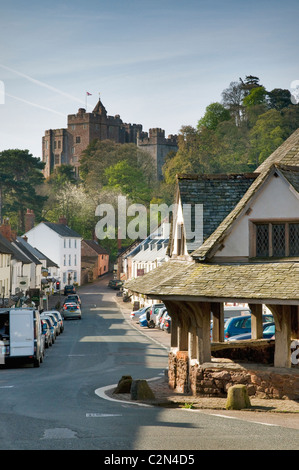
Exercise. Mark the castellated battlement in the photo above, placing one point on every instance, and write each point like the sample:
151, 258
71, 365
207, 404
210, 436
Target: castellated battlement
62, 146
156, 136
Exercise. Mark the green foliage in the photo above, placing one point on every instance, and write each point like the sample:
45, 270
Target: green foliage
256, 122
20, 177
215, 113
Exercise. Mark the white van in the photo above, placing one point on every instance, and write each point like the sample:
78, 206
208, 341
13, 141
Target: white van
21, 336
235, 311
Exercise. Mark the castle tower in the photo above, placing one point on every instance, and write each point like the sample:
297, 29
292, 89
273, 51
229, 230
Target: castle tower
65, 146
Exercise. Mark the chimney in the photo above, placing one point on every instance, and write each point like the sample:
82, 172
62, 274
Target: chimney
5, 230
29, 220
62, 220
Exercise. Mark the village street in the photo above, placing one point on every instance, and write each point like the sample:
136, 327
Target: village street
62, 405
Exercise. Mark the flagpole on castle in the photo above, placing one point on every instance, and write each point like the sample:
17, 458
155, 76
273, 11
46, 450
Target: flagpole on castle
87, 94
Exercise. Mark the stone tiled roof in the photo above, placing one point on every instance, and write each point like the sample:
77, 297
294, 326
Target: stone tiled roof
218, 194
152, 279
246, 282
96, 247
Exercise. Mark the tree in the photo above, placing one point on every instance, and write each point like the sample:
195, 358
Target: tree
256, 96
129, 180
279, 98
20, 178
61, 175
232, 99
100, 155
215, 113
268, 133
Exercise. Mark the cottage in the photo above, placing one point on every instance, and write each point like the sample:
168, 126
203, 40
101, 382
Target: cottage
62, 245
94, 260
251, 257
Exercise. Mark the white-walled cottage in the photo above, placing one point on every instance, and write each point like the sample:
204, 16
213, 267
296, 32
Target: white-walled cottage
62, 245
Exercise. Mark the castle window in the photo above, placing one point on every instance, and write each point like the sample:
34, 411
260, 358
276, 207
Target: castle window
275, 239
78, 140
57, 159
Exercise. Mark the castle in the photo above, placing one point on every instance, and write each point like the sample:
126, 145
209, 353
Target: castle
65, 146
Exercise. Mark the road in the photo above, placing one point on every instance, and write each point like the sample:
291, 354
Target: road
55, 407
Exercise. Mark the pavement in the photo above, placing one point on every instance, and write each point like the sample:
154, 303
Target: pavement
164, 395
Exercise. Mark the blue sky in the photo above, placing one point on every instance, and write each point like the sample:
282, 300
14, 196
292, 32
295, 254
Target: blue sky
158, 63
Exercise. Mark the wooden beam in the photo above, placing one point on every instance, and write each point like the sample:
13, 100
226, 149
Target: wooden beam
282, 355
217, 310
256, 321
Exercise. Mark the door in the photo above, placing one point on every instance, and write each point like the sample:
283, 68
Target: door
21, 333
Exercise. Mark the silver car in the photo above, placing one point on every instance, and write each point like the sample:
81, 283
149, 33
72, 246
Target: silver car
71, 310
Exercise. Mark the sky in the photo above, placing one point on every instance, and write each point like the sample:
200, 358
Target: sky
158, 63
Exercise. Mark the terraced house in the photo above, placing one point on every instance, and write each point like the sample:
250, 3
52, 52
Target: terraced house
252, 257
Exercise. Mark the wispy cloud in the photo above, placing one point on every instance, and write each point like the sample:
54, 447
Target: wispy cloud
42, 84
34, 104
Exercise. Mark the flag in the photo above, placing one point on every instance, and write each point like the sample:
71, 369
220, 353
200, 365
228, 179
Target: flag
88, 94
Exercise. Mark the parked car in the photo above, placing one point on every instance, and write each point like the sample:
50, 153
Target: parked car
239, 325
59, 319
143, 319
71, 310
46, 331
159, 316
21, 336
136, 314
69, 289
50, 322
73, 298
162, 318
152, 313
167, 323
115, 284
268, 332
51, 314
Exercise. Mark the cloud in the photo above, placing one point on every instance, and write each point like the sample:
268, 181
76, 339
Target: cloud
34, 104
41, 84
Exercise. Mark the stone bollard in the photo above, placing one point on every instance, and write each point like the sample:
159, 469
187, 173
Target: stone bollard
140, 390
237, 398
124, 384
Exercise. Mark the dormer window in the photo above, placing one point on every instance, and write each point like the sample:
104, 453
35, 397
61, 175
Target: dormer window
275, 239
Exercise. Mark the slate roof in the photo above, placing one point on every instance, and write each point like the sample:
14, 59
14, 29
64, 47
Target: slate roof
206, 281
62, 230
25, 248
218, 194
5, 246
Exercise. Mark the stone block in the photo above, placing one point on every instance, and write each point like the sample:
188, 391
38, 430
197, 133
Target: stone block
140, 390
237, 398
124, 384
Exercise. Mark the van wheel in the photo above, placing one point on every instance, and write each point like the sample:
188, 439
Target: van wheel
36, 362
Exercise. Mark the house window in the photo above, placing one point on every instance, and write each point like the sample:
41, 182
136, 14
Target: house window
275, 239
64, 260
64, 278
75, 242
75, 260
78, 139
70, 260
70, 243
